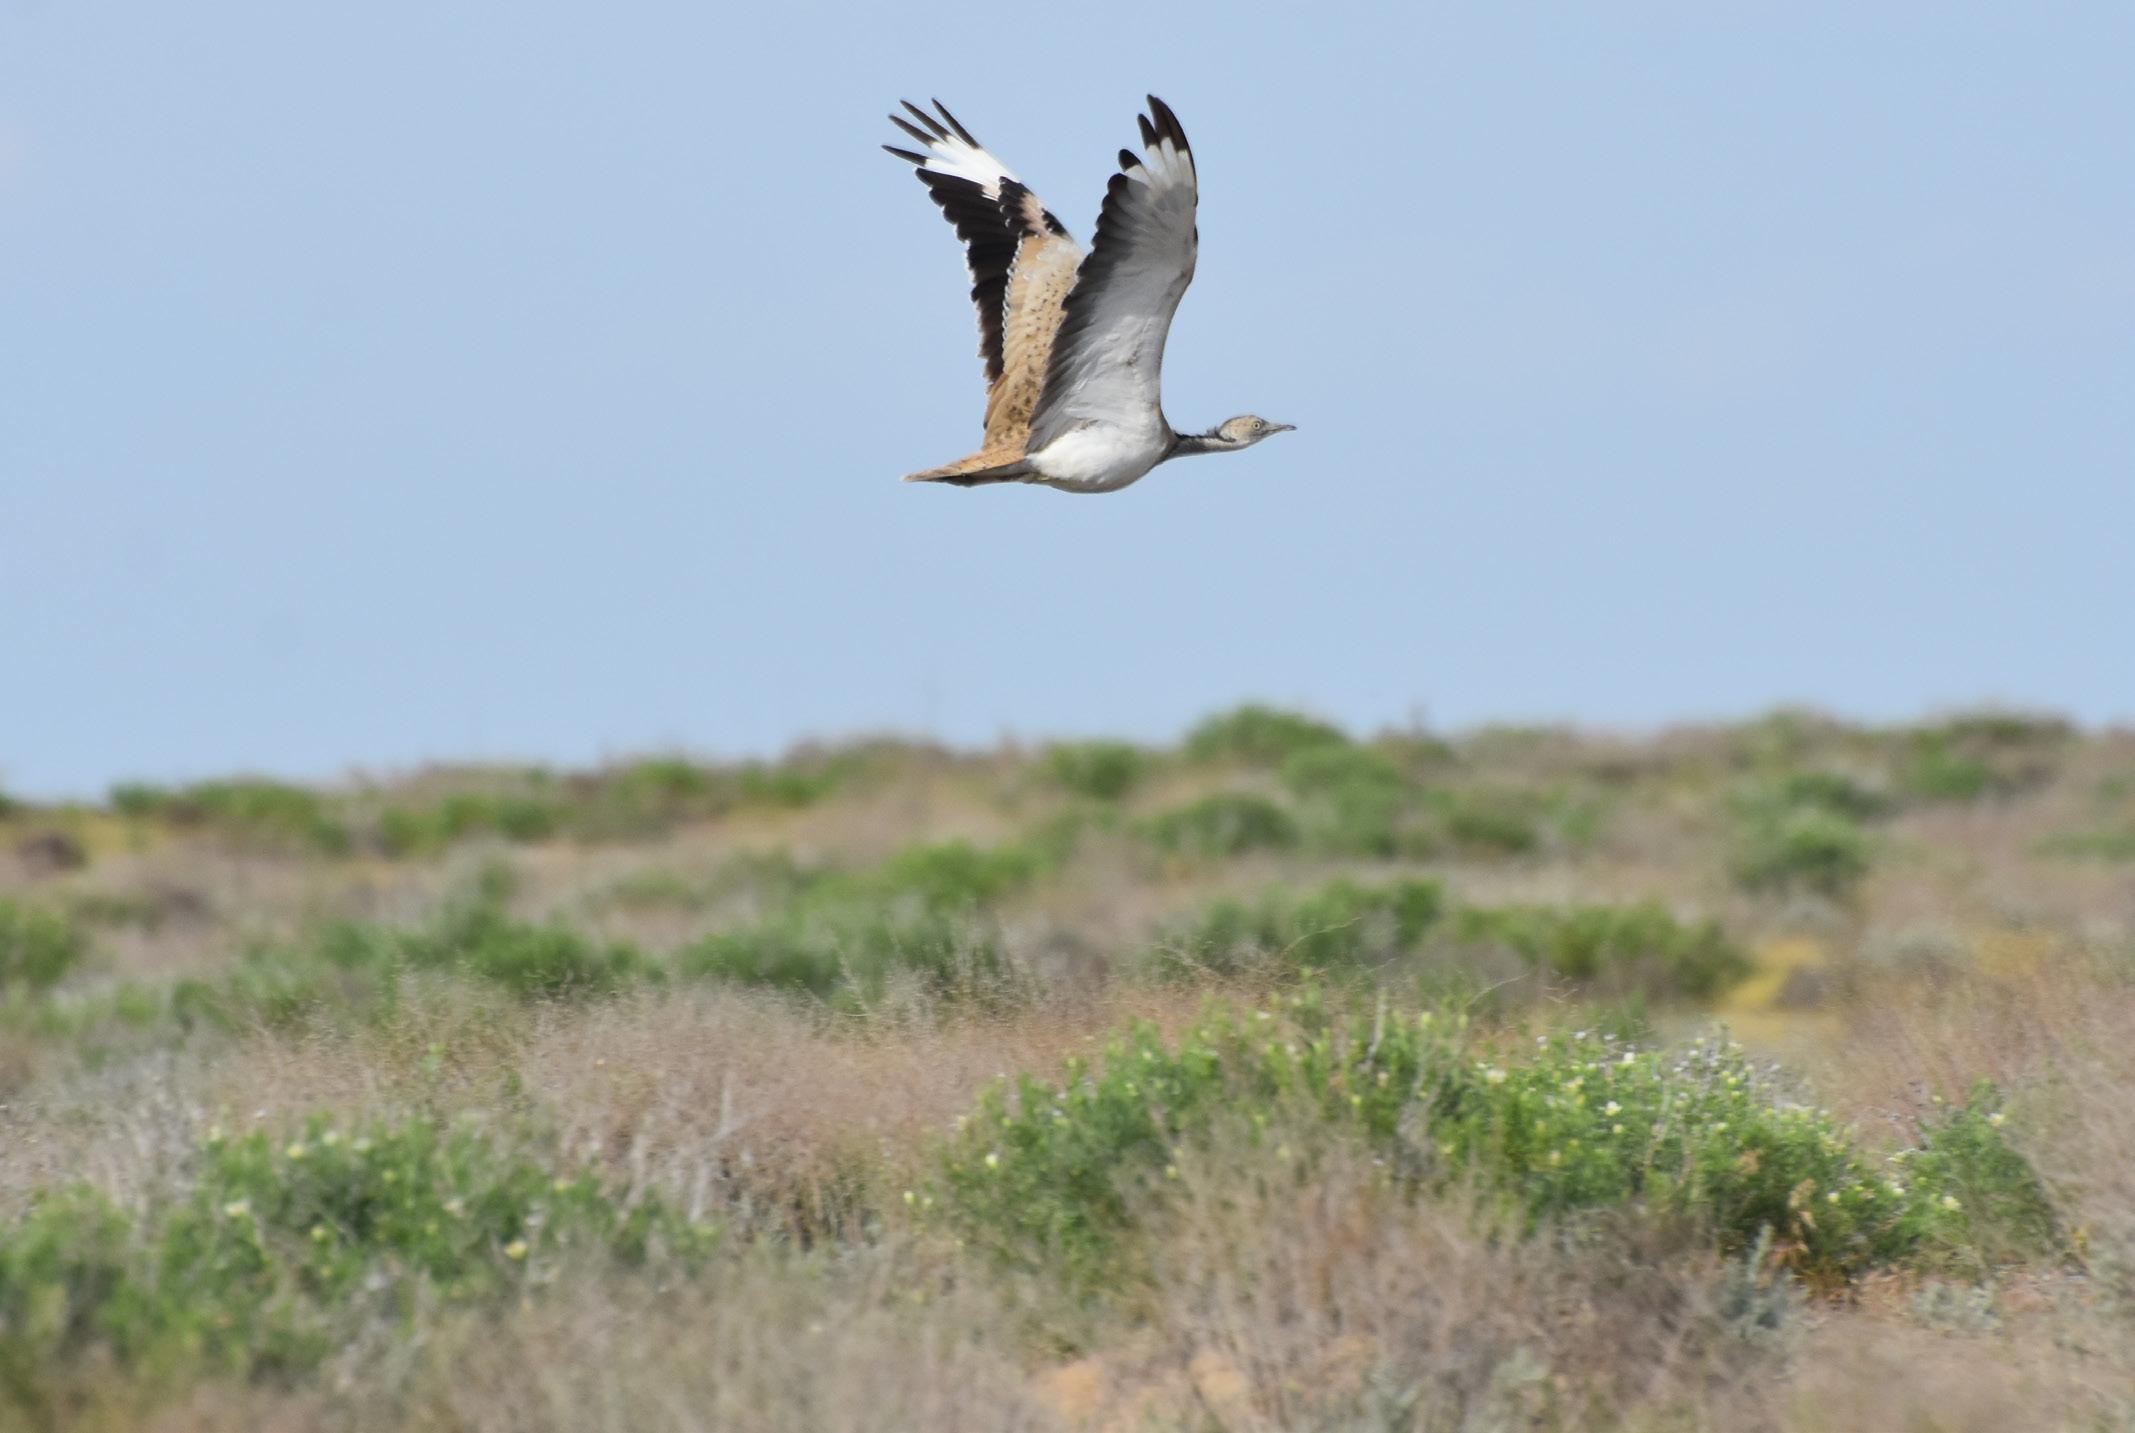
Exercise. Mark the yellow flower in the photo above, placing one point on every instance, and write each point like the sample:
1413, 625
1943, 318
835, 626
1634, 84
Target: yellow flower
1996, 1119
516, 1249
993, 1161
910, 1198
296, 1151
237, 1209
1615, 1129
318, 1233
1612, 1108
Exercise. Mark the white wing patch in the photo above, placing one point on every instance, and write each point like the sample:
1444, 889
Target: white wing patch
951, 150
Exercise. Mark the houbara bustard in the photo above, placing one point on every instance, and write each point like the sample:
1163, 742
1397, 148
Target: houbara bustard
1073, 346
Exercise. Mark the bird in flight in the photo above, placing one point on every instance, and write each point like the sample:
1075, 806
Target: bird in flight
1073, 344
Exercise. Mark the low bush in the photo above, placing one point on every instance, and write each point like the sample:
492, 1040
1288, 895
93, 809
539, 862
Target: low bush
1353, 799
1255, 735
254, 812
1611, 950
1802, 832
1998, 1212
284, 1250
1341, 926
1487, 822
1100, 770
38, 948
1229, 823
926, 915
1801, 848
1639, 950
425, 830
1050, 1176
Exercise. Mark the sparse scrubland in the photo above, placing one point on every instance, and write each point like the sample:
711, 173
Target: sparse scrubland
1768, 1076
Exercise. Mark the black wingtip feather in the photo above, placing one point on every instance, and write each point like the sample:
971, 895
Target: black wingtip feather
905, 154
1127, 160
932, 124
961, 132
1148, 131
1167, 124
913, 130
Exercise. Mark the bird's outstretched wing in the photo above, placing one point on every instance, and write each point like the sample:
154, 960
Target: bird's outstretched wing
1022, 263
1107, 360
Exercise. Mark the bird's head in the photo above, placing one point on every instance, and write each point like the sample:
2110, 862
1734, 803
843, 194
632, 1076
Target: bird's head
1247, 429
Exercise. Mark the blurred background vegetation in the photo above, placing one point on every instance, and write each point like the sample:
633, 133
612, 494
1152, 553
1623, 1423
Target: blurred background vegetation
1010, 1064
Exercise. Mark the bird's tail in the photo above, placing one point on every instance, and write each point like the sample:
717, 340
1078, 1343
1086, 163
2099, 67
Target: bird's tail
972, 471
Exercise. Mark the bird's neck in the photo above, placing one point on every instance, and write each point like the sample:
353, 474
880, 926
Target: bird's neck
1187, 444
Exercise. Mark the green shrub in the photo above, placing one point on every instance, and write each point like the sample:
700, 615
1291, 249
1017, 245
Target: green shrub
1801, 848
1938, 772
1100, 770
1826, 791
1256, 735
255, 812
1046, 1176
1997, 1211
925, 915
1611, 949
425, 830
1639, 950
953, 876
1341, 926
547, 961
1488, 822
1352, 798
284, 1251
1229, 823
37, 949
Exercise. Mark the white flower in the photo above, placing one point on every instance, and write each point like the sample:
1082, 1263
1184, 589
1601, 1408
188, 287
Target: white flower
1493, 1076
1996, 1119
237, 1209
1949, 1202
1612, 1108
993, 1161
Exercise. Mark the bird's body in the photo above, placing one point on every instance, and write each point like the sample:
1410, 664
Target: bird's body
1073, 345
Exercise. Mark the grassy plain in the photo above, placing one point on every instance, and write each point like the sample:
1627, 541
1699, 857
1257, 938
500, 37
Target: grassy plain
1772, 1075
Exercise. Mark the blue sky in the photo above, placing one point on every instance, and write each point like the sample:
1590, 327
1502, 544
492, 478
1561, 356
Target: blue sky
399, 382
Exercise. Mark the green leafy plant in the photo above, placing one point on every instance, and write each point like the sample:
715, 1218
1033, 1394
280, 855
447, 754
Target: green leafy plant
1255, 735
38, 948
1100, 770
1353, 799
1340, 926
285, 1246
1050, 1176
1229, 823
249, 811
1611, 949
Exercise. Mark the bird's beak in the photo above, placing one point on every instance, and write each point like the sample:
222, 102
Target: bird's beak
1282, 427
